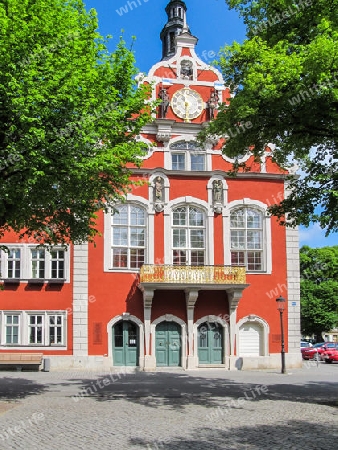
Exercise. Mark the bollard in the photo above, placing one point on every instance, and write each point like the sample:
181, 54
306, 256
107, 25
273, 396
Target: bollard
46, 364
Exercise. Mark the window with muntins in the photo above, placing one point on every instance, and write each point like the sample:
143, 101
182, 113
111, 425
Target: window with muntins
29, 262
14, 263
41, 328
35, 329
186, 155
38, 263
188, 236
55, 329
57, 264
12, 323
246, 235
128, 237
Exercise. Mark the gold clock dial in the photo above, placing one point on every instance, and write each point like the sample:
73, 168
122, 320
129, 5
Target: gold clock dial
187, 104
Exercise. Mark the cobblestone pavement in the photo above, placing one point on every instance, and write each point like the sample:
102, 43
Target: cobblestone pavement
208, 409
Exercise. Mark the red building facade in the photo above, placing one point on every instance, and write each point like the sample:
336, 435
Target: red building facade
187, 272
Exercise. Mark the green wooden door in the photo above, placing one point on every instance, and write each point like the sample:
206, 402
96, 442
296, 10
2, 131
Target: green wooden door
125, 344
168, 344
210, 343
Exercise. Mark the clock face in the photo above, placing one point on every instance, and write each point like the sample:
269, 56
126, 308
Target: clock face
187, 104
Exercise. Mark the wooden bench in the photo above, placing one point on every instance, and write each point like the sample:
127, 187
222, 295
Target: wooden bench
20, 360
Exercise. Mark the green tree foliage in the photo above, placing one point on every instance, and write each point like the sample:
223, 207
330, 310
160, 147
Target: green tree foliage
319, 289
284, 78
70, 111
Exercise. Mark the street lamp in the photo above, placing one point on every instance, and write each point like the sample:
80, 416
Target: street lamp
281, 306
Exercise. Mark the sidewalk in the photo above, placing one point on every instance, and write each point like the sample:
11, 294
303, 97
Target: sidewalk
179, 410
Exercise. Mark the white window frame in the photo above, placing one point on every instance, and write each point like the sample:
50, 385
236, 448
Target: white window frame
26, 264
25, 326
38, 261
245, 230
187, 227
56, 326
150, 221
51, 260
267, 246
178, 153
35, 328
17, 263
209, 226
5, 325
187, 155
128, 247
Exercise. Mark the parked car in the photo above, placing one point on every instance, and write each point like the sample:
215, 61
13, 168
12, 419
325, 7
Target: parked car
317, 350
304, 345
331, 355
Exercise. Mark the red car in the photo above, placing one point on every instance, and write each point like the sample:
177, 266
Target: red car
316, 352
330, 355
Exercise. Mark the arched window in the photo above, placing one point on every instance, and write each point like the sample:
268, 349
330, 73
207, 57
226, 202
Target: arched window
246, 236
128, 237
187, 155
188, 236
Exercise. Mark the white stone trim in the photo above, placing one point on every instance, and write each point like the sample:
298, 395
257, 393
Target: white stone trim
23, 325
170, 318
210, 189
80, 300
293, 282
151, 146
126, 317
26, 266
166, 189
233, 160
183, 137
264, 346
187, 138
175, 61
262, 207
209, 235
150, 225
173, 67
179, 60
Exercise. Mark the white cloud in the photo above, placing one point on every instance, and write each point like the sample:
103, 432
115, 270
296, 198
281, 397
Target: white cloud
314, 236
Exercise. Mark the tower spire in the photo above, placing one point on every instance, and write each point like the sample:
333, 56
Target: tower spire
177, 24
185, 26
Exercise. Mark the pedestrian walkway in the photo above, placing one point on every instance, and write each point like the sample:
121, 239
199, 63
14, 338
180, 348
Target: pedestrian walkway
177, 410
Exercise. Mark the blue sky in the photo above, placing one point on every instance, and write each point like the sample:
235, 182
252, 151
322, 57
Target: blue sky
209, 20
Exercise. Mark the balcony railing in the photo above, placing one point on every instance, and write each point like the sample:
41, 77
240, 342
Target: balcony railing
193, 274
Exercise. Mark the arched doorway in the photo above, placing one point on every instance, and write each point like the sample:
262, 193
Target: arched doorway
250, 339
210, 343
168, 344
125, 343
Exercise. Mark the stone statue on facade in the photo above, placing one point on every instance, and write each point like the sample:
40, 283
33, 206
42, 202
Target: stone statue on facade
217, 195
159, 194
186, 70
212, 104
163, 95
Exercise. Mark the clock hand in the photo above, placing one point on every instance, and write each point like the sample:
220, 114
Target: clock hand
186, 111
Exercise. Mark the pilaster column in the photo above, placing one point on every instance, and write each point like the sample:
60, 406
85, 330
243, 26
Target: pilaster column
80, 300
190, 298
149, 360
234, 297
